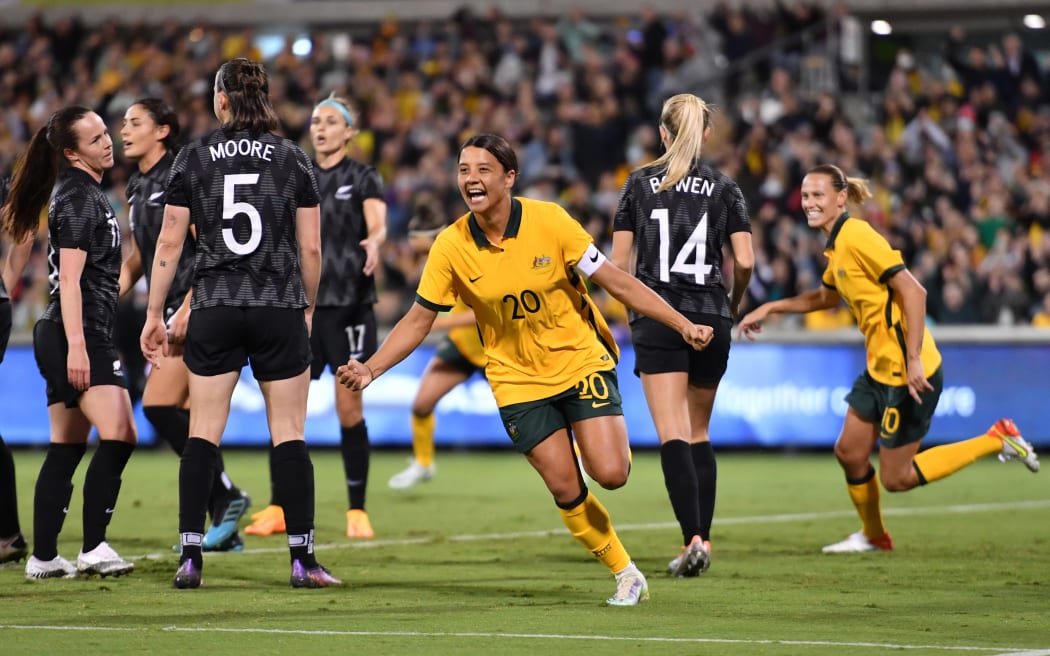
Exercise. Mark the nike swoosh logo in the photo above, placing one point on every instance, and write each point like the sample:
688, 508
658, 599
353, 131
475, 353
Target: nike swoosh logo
595, 404
156, 195
475, 279
594, 258
109, 511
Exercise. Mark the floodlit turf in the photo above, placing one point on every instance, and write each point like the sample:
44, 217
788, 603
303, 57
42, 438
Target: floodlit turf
477, 562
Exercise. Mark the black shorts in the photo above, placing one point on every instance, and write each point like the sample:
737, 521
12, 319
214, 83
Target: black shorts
5, 326
342, 333
659, 349
51, 351
224, 339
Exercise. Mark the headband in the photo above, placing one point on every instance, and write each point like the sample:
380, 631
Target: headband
339, 107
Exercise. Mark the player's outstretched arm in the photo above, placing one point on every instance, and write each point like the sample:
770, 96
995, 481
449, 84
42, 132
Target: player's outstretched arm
408, 334
634, 294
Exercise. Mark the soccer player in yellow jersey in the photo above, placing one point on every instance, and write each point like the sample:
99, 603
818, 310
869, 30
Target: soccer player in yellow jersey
551, 361
893, 401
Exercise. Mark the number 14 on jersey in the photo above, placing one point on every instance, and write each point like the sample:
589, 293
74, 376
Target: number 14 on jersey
695, 245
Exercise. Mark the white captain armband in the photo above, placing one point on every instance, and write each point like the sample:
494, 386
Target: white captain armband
590, 261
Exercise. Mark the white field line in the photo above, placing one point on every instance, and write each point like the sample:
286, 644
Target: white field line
755, 519
622, 528
540, 636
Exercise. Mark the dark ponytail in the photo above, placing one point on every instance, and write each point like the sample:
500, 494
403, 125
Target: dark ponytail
36, 172
247, 86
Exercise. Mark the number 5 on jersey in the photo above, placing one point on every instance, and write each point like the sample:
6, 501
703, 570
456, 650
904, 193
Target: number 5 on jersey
231, 208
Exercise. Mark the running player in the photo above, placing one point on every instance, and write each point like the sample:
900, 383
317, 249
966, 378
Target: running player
892, 402
551, 358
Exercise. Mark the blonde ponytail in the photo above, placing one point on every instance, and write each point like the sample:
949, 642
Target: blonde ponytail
685, 118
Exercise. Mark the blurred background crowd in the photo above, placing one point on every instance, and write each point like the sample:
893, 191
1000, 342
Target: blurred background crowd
954, 136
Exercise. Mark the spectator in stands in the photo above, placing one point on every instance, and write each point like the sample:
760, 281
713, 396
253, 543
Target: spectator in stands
451, 62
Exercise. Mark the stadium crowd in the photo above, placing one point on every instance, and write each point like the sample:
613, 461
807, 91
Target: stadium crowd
957, 147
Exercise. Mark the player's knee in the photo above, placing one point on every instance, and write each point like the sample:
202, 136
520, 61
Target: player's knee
894, 481
422, 410
121, 429
610, 477
848, 455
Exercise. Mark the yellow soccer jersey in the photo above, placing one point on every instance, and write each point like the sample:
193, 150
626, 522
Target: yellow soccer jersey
466, 338
540, 329
860, 262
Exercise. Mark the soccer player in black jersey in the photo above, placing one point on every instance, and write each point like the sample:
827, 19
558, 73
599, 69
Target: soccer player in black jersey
677, 214
149, 132
73, 341
12, 543
252, 198
353, 227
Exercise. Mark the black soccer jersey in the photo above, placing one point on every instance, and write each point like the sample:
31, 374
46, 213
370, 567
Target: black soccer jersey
243, 191
344, 189
679, 234
80, 216
146, 215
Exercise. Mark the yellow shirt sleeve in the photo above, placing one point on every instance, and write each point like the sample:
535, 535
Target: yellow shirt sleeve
435, 290
874, 254
574, 239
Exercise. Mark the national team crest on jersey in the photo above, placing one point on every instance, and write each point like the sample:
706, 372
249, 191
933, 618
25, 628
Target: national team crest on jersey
344, 192
541, 262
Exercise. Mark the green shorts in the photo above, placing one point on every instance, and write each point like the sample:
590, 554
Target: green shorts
901, 420
531, 422
449, 353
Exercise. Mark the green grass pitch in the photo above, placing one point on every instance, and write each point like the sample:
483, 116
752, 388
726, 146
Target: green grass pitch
478, 562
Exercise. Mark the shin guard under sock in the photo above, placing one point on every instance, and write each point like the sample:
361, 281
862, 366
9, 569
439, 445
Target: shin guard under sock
54, 489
